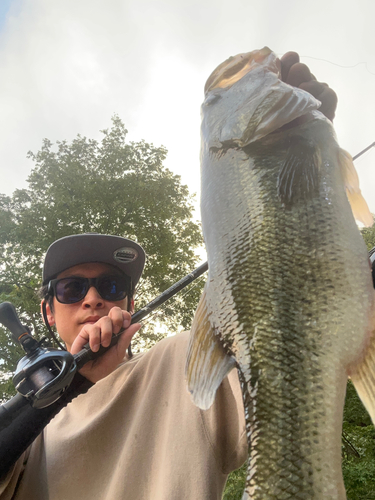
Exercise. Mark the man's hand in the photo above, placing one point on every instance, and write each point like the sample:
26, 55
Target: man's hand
298, 75
100, 333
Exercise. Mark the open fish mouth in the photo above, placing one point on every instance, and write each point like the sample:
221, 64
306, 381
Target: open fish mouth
246, 100
234, 68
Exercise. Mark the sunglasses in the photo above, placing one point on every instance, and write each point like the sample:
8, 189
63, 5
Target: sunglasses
74, 289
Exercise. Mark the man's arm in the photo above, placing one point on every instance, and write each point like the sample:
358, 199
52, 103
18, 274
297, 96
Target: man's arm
29, 422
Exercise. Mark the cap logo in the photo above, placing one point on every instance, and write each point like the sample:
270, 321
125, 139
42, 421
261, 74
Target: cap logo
125, 254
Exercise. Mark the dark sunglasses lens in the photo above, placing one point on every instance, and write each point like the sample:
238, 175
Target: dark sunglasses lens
71, 290
113, 287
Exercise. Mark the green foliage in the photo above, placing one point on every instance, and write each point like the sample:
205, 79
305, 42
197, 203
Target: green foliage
368, 234
6, 388
235, 484
358, 448
108, 187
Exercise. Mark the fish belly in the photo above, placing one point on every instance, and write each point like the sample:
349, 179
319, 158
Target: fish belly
288, 294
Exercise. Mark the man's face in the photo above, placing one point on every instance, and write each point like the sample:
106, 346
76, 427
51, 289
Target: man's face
70, 318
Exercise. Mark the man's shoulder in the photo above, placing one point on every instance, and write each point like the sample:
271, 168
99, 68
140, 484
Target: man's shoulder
171, 346
179, 340
174, 345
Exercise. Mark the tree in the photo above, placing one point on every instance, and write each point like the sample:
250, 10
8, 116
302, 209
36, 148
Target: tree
358, 448
368, 234
109, 187
236, 484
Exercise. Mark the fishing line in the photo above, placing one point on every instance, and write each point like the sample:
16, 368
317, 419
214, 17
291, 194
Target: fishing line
340, 65
365, 63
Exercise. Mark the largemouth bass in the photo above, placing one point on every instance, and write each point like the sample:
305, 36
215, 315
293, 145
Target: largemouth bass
289, 297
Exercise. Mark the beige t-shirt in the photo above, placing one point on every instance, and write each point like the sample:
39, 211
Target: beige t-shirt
136, 435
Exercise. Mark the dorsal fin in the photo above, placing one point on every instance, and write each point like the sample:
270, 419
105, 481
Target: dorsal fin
358, 204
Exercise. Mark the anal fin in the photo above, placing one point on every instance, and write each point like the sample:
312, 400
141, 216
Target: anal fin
207, 363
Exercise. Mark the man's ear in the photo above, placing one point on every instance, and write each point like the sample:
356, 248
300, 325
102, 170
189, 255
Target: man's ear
50, 317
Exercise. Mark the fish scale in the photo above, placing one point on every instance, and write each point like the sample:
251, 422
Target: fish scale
291, 345
280, 427
289, 297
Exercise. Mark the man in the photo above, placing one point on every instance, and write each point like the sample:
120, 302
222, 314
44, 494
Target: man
127, 437
133, 431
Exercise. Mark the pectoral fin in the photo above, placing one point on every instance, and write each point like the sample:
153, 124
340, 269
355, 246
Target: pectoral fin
207, 363
358, 204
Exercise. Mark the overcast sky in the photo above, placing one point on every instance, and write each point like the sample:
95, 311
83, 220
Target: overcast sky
68, 66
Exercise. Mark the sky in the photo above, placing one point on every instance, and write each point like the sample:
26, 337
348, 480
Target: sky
67, 67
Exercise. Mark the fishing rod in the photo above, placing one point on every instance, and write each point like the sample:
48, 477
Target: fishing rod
43, 375
363, 151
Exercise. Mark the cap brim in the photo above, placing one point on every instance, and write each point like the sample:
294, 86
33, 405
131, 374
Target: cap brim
73, 250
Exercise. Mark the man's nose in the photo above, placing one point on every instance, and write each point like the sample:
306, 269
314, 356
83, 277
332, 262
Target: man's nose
92, 298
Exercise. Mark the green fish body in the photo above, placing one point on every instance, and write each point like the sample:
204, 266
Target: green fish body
289, 296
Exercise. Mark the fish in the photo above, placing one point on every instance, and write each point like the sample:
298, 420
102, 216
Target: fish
289, 299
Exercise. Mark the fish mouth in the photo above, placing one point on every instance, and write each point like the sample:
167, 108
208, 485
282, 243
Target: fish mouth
234, 68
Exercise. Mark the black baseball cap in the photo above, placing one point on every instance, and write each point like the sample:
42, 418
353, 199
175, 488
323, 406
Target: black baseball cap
76, 249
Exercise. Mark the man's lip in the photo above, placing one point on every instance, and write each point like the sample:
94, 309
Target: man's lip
91, 319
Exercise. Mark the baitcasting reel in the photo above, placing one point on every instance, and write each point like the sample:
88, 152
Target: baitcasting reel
44, 373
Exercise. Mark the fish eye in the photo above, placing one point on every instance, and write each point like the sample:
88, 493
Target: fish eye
211, 99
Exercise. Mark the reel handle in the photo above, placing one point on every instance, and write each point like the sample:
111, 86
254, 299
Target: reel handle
20, 333
10, 319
